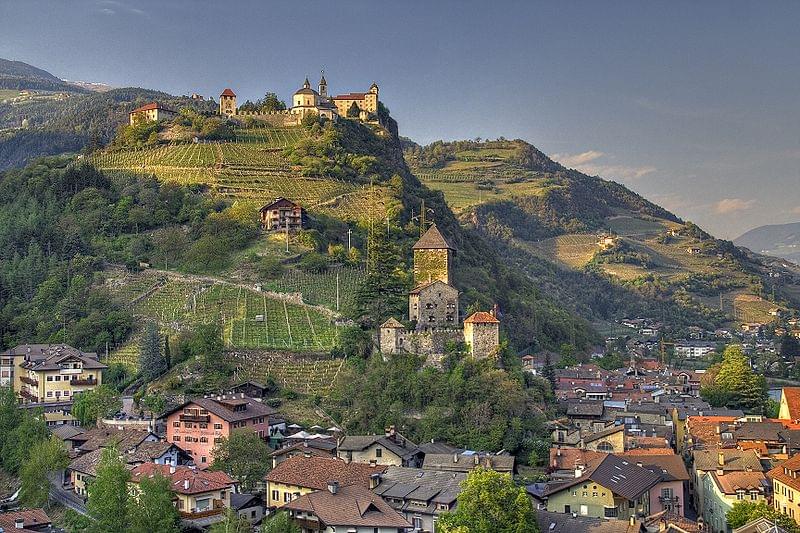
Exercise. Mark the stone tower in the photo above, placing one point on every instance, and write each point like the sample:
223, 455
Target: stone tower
433, 258
323, 86
227, 103
391, 336
482, 334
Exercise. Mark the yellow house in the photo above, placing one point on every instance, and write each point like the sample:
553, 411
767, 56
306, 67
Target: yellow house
49, 376
786, 487
150, 112
391, 449
198, 493
790, 404
367, 103
302, 475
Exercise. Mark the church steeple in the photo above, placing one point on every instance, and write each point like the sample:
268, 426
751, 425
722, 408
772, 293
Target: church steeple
323, 85
306, 84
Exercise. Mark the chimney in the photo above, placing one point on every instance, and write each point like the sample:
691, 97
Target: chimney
716, 429
374, 480
333, 487
19, 523
476, 460
171, 469
721, 458
373, 463
455, 457
578, 471
185, 484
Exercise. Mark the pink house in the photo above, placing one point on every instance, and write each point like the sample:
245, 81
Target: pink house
668, 493
200, 424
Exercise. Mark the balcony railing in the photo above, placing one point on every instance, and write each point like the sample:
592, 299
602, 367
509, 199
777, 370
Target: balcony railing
83, 381
195, 418
29, 381
28, 396
217, 507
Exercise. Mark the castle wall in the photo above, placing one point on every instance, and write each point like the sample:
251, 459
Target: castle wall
431, 265
273, 118
430, 342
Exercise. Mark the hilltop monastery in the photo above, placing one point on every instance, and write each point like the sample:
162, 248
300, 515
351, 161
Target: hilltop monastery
306, 101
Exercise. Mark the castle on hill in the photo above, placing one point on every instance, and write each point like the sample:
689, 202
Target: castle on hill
306, 100
433, 307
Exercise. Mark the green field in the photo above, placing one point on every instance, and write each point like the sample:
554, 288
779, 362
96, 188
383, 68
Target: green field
630, 226
573, 250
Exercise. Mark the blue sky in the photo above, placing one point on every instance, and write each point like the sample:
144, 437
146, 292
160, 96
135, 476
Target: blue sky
693, 104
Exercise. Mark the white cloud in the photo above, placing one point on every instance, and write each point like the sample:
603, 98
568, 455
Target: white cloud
732, 205
574, 160
591, 162
112, 7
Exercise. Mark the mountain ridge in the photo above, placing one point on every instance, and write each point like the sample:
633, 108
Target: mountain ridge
778, 240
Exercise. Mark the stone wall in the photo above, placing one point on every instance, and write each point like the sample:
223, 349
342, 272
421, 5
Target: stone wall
273, 118
483, 339
435, 306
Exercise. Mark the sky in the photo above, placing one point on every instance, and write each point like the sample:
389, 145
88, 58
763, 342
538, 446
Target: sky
695, 105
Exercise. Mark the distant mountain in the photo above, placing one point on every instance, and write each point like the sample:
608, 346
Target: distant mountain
780, 240
19, 75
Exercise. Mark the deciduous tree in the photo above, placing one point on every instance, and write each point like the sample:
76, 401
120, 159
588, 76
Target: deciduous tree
153, 510
243, 456
108, 494
46, 457
490, 503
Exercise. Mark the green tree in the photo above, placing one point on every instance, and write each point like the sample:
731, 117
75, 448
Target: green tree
271, 102
100, 402
382, 292
153, 510
279, 522
17, 449
10, 418
734, 381
155, 403
549, 372
490, 503
233, 523
152, 362
45, 458
207, 344
744, 512
108, 494
243, 456
353, 111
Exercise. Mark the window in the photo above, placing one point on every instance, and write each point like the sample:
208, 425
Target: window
217, 426
58, 378
49, 394
594, 494
176, 438
275, 495
754, 495
378, 452
203, 439
176, 424
605, 446
610, 512
203, 425
740, 495
49, 378
287, 497
417, 522
203, 459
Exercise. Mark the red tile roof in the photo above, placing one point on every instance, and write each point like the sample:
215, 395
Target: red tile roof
481, 317
351, 506
184, 480
350, 96
704, 429
649, 451
730, 482
315, 472
779, 473
228, 92
792, 395
150, 106
31, 518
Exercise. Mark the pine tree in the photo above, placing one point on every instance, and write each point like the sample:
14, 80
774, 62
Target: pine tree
383, 290
154, 510
108, 494
152, 362
548, 372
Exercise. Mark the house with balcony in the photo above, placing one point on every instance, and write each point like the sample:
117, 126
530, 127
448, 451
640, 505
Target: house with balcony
201, 496
198, 425
49, 376
608, 487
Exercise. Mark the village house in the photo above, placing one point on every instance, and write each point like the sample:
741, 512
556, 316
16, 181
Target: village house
572, 523
250, 507
722, 490
388, 449
694, 349
198, 494
27, 521
49, 376
786, 487
150, 113
667, 494
307, 448
719, 461
302, 475
198, 425
420, 496
790, 404
344, 508
282, 214
610, 487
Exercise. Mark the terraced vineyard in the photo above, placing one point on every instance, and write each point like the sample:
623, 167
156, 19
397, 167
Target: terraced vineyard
307, 375
320, 288
751, 308
249, 319
271, 137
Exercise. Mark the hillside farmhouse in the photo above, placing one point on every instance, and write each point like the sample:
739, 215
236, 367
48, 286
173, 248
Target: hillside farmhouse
151, 112
282, 214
